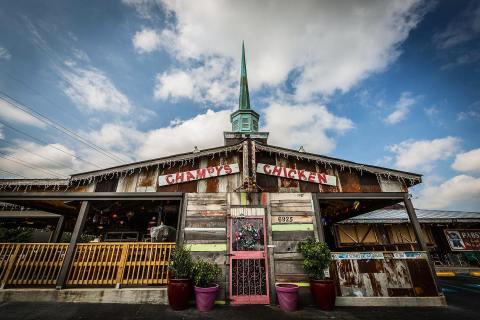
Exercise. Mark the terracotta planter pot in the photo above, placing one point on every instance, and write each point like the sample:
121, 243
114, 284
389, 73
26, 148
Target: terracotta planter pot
287, 295
205, 298
323, 292
179, 292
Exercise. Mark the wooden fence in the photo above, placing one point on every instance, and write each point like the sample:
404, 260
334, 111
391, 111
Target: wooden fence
94, 264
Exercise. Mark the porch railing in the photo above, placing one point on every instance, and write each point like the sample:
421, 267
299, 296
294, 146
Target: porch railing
94, 264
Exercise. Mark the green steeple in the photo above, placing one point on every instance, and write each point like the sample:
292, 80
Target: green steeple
244, 120
244, 99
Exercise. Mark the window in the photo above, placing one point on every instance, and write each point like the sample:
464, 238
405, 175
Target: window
235, 125
245, 124
255, 125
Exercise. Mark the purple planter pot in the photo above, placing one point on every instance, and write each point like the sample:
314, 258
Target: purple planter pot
205, 298
287, 295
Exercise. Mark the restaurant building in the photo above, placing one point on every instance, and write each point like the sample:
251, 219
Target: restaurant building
245, 205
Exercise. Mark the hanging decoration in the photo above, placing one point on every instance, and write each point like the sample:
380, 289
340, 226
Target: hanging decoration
247, 236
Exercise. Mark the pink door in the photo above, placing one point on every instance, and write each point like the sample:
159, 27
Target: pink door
248, 262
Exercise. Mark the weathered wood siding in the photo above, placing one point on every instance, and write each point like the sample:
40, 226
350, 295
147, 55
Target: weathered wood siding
205, 231
347, 180
385, 277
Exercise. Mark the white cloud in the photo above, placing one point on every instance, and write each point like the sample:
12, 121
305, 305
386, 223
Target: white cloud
209, 82
306, 124
146, 40
91, 89
422, 154
9, 112
2, 135
332, 45
4, 54
204, 130
467, 161
35, 155
461, 192
402, 108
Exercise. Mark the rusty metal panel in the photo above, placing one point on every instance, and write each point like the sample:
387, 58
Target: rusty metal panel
369, 182
127, 183
332, 172
212, 183
422, 279
304, 185
287, 185
265, 182
147, 180
349, 181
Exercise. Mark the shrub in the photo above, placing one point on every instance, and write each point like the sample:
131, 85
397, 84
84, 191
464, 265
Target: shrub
205, 273
181, 263
317, 258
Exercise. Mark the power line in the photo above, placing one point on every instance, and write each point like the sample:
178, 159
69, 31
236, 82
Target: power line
13, 173
17, 104
49, 145
16, 160
39, 155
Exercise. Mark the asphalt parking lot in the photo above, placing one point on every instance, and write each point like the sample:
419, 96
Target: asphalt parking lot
462, 293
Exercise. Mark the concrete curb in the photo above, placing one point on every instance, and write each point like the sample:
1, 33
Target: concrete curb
391, 302
93, 295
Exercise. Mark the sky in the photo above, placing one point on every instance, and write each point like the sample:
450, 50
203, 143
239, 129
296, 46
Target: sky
91, 84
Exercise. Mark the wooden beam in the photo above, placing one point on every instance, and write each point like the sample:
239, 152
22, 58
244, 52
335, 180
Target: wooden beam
417, 229
77, 231
83, 196
360, 195
318, 218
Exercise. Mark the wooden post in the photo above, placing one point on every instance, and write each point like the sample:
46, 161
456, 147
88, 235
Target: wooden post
182, 214
57, 234
417, 229
77, 231
318, 218
121, 266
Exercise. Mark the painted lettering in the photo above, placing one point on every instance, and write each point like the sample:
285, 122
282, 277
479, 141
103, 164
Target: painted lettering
190, 176
179, 177
277, 171
291, 173
227, 168
211, 170
201, 173
322, 178
266, 169
169, 179
311, 177
301, 175
218, 168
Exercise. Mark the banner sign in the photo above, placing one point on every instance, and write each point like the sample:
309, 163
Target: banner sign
463, 239
297, 174
409, 255
198, 174
357, 255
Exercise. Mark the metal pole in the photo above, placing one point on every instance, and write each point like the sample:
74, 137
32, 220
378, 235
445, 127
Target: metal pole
417, 229
57, 234
77, 231
318, 218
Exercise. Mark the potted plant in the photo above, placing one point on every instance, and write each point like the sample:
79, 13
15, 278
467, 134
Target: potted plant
180, 284
205, 275
287, 295
317, 258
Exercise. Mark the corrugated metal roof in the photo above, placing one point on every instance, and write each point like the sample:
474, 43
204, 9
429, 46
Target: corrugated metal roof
424, 216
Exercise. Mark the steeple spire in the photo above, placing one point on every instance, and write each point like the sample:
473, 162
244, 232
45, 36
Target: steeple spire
244, 100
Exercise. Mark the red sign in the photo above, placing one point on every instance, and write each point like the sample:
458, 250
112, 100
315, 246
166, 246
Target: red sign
198, 174
463, 239
297, 174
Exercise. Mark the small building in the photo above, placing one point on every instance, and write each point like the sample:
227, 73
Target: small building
245, 205
452, 237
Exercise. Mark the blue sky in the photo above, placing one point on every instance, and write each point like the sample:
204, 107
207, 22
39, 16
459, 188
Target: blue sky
389, 83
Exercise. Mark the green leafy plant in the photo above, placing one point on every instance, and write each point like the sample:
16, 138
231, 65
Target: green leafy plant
317, 258
181, 263
205, 273
18, 235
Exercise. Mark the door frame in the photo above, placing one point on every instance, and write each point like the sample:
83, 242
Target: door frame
258, 299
